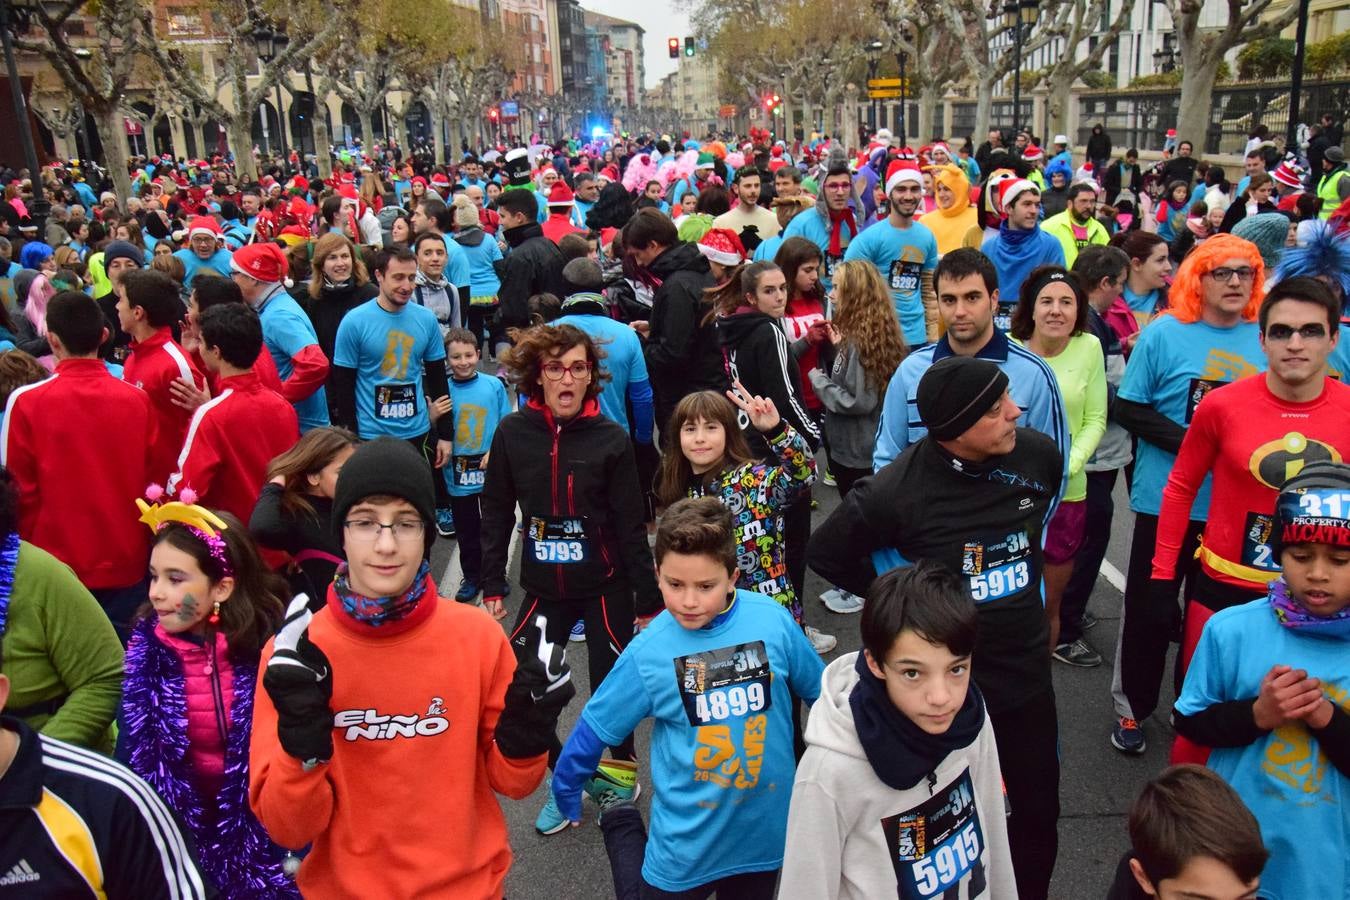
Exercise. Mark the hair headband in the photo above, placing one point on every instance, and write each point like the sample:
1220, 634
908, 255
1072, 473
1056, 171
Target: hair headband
1057, 278
200, 521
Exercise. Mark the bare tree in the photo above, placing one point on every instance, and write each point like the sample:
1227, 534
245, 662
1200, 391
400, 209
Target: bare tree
1083, 17
1202, 50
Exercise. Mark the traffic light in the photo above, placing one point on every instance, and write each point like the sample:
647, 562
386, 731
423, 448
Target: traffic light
771, 101
674, 45
688, 46
492, 114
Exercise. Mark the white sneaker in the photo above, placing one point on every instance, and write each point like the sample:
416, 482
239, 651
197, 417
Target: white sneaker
838, 600
822, 642
828, 479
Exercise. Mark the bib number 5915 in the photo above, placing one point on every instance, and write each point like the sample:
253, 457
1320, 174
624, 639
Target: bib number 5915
948, 863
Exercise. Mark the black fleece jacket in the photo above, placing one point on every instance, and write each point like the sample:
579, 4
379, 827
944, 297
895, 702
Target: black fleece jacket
534, 266
757, 353
681, 351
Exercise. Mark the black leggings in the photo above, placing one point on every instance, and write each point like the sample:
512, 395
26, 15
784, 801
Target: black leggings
1028, 753
609, 628
426, 445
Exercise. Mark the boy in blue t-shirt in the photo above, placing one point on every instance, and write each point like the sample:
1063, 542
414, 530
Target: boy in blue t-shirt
721, 747
479, 402
1269, 686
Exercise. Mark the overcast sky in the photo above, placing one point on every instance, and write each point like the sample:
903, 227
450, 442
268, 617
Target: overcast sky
661, 21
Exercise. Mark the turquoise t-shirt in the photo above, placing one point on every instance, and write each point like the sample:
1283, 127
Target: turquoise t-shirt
816, 229
722, 762
388, 351
219, 262
479, 404
901, 256
1298, 797
1173, 366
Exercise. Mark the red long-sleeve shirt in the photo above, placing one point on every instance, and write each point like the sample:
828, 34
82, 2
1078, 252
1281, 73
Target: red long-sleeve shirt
154, 364
1252, 442
406, 806
230, 443
76, 445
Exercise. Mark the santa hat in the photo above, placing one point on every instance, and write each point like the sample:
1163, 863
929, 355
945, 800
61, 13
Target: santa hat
560, 194
300, 183
263, 262
348, 192
705, 161
722, 245
610, 172
1012, 188
203, 225
1032, 153
1288, 173
940, 146
900, 171
776, 152
438, 180
418, 179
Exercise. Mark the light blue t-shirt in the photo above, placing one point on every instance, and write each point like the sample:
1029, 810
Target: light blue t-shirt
623, 361
816, 229
901, 256
722, 762
457, 268
1031, 384
388, 351
483, 280
1173, 366
479, 404
1338, 363
192, 263
767, 249
1298, 797
288, 332
1140, 303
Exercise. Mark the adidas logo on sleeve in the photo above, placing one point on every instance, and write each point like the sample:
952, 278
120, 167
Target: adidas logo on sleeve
21, 873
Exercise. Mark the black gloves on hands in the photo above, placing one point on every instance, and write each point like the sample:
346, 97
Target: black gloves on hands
300, 683
542, 686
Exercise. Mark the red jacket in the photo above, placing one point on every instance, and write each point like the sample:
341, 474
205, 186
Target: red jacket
489, 220
153, 365
264, 367
230, 443
559, 224
76, 446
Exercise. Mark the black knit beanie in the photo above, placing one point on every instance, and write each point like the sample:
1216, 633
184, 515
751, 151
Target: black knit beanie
123, 250
388, 467
955, 392
1302, 519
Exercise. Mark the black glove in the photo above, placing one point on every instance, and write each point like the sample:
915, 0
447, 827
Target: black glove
540, 689
1164, 607
300, 683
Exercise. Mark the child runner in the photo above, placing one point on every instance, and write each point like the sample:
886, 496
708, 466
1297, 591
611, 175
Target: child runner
571, 471
900, 788
722, 736
714, 459
187, 700
295, 510
1267, 689
479, 403
372, 742
1190, 836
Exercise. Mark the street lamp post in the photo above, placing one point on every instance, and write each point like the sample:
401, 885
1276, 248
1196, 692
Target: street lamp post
271, 43
902, 57
38, 209
873, 58
1018, 17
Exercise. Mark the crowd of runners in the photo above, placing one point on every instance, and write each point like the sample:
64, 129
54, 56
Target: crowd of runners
239, 415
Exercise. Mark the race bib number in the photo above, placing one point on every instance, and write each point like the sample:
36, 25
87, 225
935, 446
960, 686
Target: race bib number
997, 566
395, 402
937, 845
1256, 549
467, 471
559, 539
905, 276
1199, 388
830, 263
1003, 316
726, 683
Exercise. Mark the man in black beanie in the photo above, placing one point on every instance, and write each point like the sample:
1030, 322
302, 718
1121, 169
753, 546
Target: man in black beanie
390, 717
974, 494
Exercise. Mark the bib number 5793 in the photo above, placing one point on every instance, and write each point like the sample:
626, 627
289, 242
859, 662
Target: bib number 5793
559, 551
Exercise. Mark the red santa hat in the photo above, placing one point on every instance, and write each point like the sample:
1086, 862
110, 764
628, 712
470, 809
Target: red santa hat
1032, 153
560, 194
203, 225
1012, 188
723, 246
1287, 175
263, 262
900, 171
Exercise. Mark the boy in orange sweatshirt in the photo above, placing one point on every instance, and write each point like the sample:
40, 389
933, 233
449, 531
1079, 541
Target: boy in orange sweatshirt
373, 742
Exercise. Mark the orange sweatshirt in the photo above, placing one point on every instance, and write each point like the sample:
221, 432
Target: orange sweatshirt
405, 808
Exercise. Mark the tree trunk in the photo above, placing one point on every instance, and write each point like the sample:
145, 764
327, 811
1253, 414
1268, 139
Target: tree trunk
114, 138
437, 134
1057, 106
241, 142
1197, 92
322, 139
984, 101
929, 98
367, 128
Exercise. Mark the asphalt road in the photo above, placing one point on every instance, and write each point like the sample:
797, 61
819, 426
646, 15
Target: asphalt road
1096, 787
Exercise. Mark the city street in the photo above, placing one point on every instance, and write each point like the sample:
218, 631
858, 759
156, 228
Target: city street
1096, 788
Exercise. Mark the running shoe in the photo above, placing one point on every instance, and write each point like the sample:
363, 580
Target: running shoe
550, 820
1128, 736
1078, 653
610, 801
1088, 621
838, 600
616, 777
828, 480
822, 642
445, 523
467, 592
578, 631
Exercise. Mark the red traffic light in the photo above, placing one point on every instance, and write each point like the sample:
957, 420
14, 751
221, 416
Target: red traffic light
492, 113
674, 45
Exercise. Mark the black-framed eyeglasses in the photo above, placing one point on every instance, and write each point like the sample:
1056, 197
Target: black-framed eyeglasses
1224, 275
554, 371
1314, 331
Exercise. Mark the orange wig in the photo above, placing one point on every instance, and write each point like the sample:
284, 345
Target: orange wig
1186, 299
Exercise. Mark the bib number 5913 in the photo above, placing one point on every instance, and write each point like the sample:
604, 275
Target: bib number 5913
1000, 582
